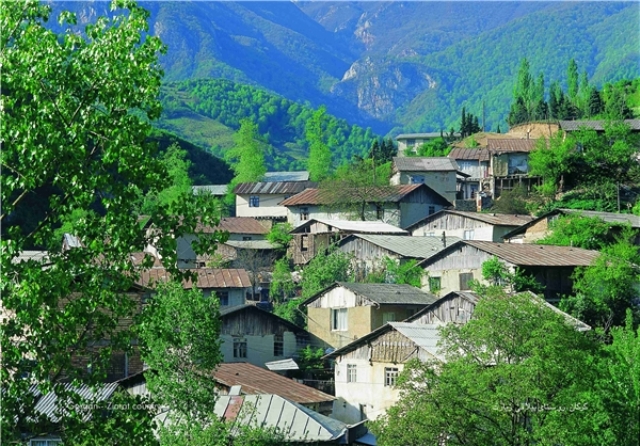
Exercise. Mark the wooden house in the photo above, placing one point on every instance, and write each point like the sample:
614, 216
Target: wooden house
453, 268
398, 206
252, 335
510, 164
262, 199
316, 235
439, 173
474, 162
468, 225
344, 311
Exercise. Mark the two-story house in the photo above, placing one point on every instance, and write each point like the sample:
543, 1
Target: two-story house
263, 199
439, 173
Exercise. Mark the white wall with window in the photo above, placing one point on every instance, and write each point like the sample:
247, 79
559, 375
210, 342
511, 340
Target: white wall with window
257, 349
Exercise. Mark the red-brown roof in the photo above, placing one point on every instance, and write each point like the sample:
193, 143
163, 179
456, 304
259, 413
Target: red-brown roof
387, 194
206, 278
529, 254
469, 154
511, 145
256, 380
236, 225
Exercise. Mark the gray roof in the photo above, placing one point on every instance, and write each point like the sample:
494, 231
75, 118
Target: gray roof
283, 364
36, 256
569, 126
425, 336
427, 135
213, 189
489, 218
50, 404
301, 175
406, 246
390, 293
274, 187
424, 164
371, 227
252, 244
72, 241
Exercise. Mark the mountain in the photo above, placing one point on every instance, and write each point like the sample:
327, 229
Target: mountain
393, 66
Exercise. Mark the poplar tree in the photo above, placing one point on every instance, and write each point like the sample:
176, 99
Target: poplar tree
319, 162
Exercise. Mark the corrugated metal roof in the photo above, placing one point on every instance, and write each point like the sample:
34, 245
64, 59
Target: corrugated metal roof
424, 164
36, 256
369, 227
511, 145
273, 187
72, 241
405, 246
301, 175
258, 381
570, 126
236, 225
425, 336
252, 244
51, 404
283, 364
213, 189
390, 293
526, 254
206, 278
469, 154
388, 194
489, 218
418, 135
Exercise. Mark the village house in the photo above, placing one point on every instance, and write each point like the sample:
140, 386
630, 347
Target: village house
398, 206
468, 225
369, 251
597, 125
439, 173
474, 162
410, 142
510, 164
453, 268
252, 335
263, 199
344, 311
315, 235
539, 228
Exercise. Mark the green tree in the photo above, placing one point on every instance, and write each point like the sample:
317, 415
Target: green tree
247, 155
580, 231
405, 273
76, 112
319, 163
177, 167
573, 82
280, 234
517, 373
323, 270
282, 284
434, 147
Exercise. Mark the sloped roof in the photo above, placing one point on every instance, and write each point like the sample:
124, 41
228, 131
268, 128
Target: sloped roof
406, 246
367, 227
206, 278
425, 336
464, 154
382, 293
424, 164
252, 244
282, 364
228, 311
489, 218
302, 175
387, 194
273, 187
418, 135
570, 126
258, 381
511, 145
236, 225
50, 404
213, 189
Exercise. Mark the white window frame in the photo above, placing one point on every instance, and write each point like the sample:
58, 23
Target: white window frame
352, 373
240, 348
254, 201
339, 320
391, 376
469, 234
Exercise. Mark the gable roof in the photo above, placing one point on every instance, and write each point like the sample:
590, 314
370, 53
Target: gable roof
424, 164
465, 154
525, 254
405, 246
301, 175
598, 125
226, 312
273, 187
368, 227
256, 380
511, 145
387, 194
489, 218
418, 135
382, 293
50, 405
206, 278
213, 189
236, 225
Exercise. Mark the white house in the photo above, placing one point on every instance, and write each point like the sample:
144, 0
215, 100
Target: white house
439, 173
262, 199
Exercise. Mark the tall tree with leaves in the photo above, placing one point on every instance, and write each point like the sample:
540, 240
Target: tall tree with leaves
319, 163
247, 154
573, 81
75, 119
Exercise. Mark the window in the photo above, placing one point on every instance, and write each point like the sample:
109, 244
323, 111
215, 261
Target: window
352, 373
465, 278
390, 376
304, 243
254, 201
301, 341
432, 210
379, 212
469, 234
388, 317
239, 348
278, 345
224, 297
339, 319
42, 442
435, 284
304, 213
417, 179
246, 238
411, 142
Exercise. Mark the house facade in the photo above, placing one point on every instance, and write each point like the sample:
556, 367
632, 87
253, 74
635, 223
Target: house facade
439, 173
262, 199
344, 312
468, 225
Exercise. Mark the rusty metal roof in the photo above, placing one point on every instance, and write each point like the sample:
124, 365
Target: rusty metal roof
273, 187
489, 218
469, 154
527, 254
387, 194
236, 225
571, 126
256, 381
206, 278
511, 145
424, 164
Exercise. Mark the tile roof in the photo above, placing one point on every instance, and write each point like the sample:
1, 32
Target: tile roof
302, 175
273, 187
206, 278
511, 145
569, 126
369, 227
489, 218
405, 246
390, 293
469, 154
527, 254
388, 194
256, 380
424, 164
